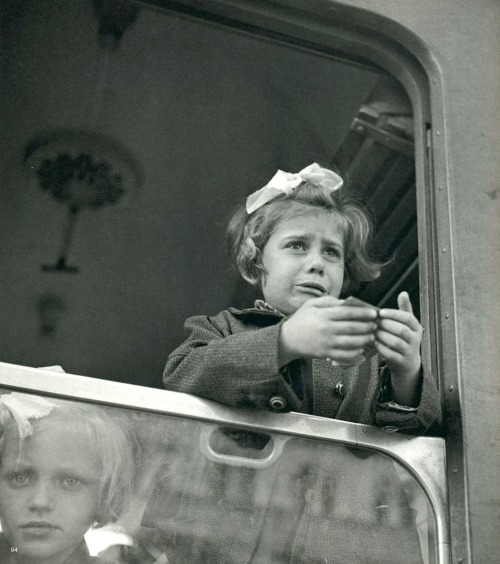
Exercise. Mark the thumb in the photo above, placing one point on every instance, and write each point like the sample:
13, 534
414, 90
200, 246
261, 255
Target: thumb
404, 303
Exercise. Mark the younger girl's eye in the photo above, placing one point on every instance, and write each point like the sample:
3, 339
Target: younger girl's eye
19, 479
71, 482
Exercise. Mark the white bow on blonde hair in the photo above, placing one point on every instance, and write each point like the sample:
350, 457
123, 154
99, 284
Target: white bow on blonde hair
22, 408
286, 182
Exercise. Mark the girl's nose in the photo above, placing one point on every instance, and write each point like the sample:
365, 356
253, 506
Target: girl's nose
42, 497
315, 263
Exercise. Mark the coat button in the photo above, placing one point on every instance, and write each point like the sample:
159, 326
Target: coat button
277, 402
340, 390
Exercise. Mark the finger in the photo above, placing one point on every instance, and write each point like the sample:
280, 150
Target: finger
354, 327
324, 301
393, 342
353, 342
388, 353
346, 313
337, 310
404, 302
403, 317
401, 330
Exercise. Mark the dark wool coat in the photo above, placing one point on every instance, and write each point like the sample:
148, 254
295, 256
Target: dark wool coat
320, 502
232, 358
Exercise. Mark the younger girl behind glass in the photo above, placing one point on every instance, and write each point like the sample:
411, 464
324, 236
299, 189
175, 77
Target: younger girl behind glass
64, 467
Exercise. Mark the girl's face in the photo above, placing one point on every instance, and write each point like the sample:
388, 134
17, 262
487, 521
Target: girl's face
49, 485
303, 259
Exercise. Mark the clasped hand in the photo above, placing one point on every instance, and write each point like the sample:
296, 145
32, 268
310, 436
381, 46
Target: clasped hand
325, 328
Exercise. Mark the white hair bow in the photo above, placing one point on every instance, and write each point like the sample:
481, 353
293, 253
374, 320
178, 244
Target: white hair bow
23, 407
286, 182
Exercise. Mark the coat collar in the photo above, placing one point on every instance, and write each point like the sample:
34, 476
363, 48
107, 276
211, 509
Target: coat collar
260, 308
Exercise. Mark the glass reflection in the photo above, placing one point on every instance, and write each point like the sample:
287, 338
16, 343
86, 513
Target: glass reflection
155, 489
318, 503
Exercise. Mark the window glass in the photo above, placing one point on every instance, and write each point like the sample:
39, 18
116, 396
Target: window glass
173, 489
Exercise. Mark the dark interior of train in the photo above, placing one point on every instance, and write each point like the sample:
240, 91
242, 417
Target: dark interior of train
179, 119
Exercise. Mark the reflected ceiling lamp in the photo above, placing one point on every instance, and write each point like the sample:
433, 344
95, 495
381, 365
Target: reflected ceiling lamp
80, 170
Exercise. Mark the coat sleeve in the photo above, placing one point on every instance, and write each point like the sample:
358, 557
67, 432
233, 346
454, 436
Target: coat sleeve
238, 370
426, 417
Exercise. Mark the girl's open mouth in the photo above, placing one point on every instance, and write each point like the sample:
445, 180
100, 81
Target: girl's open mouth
312, 288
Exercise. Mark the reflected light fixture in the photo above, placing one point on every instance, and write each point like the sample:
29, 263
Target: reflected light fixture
80, 170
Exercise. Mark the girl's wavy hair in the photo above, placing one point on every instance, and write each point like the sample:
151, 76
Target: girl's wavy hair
109, 436
248, 234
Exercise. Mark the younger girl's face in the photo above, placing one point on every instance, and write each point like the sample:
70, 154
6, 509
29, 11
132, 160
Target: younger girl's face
303, 259
49, 485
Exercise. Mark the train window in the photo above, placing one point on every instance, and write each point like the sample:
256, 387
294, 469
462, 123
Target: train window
171, 478
179, 109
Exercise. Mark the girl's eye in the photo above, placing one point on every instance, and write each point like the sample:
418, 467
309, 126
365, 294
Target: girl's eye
19, 479
333, 252
71, 482
296, 245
